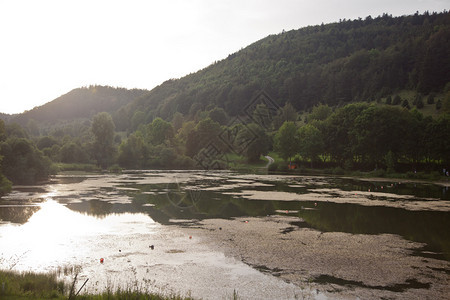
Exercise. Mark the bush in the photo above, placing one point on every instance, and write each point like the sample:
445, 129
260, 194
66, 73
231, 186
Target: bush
378, 173
23, 163
338, 171
115, 169
5, 185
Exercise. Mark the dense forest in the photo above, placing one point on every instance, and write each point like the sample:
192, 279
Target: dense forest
363, 94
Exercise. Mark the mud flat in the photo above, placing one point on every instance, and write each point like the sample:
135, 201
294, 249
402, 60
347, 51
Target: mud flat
338, 265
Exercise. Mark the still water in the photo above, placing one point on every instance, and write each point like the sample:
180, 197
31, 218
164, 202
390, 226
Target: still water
134, 222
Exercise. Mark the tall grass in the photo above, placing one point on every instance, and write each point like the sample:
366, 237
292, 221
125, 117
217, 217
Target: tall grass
29, 285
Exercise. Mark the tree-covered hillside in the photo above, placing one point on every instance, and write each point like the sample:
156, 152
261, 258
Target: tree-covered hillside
359, 60
80, 103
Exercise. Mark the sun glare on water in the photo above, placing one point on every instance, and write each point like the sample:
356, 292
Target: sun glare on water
56, 235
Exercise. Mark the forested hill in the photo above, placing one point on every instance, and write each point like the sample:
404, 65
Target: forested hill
353, 60
80, 103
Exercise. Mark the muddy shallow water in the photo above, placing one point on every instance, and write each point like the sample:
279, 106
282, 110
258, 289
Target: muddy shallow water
210, 234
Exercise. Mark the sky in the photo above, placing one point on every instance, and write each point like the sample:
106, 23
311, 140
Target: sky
49, 47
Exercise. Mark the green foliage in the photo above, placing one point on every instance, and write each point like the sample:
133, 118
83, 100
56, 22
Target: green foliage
22, 162
29, 285
332, 64
15, 130
339, 142
133, 153
5, 185
218, 115
256, 142
285, 114
46, 142
320, 112
83, 103
205, 132
286, 140
310, 141
159, 131
103, 130
177, 121
72, 153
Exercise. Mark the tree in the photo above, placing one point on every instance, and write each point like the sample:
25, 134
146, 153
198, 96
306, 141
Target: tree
23, 163
133, 153
5, 184
219, 115
159, 131
378, 130
32, 127
206, 132
286, 113
310, 142
72, 153
337, 132
320, 112
177, 121
103, 130
137, 119
255, 140
46, 142
286, 141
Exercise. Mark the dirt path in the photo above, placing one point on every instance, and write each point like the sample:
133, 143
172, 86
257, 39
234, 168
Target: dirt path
270, 161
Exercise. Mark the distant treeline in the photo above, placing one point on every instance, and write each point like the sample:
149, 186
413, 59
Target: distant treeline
368, 136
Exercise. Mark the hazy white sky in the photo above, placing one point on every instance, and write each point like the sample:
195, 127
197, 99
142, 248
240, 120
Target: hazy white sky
50, 47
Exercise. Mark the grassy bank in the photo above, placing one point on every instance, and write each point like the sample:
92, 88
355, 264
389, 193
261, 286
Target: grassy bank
281, 167
64, 167
28, 285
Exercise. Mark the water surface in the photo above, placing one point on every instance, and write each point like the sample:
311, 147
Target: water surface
77, 220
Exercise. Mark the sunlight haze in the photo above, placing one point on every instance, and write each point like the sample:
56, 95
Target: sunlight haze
49, 48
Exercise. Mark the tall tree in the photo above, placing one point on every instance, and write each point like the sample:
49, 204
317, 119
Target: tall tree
255, 141
286, 140
285, 114
310, 142
5, 184
159, 131
103, 130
